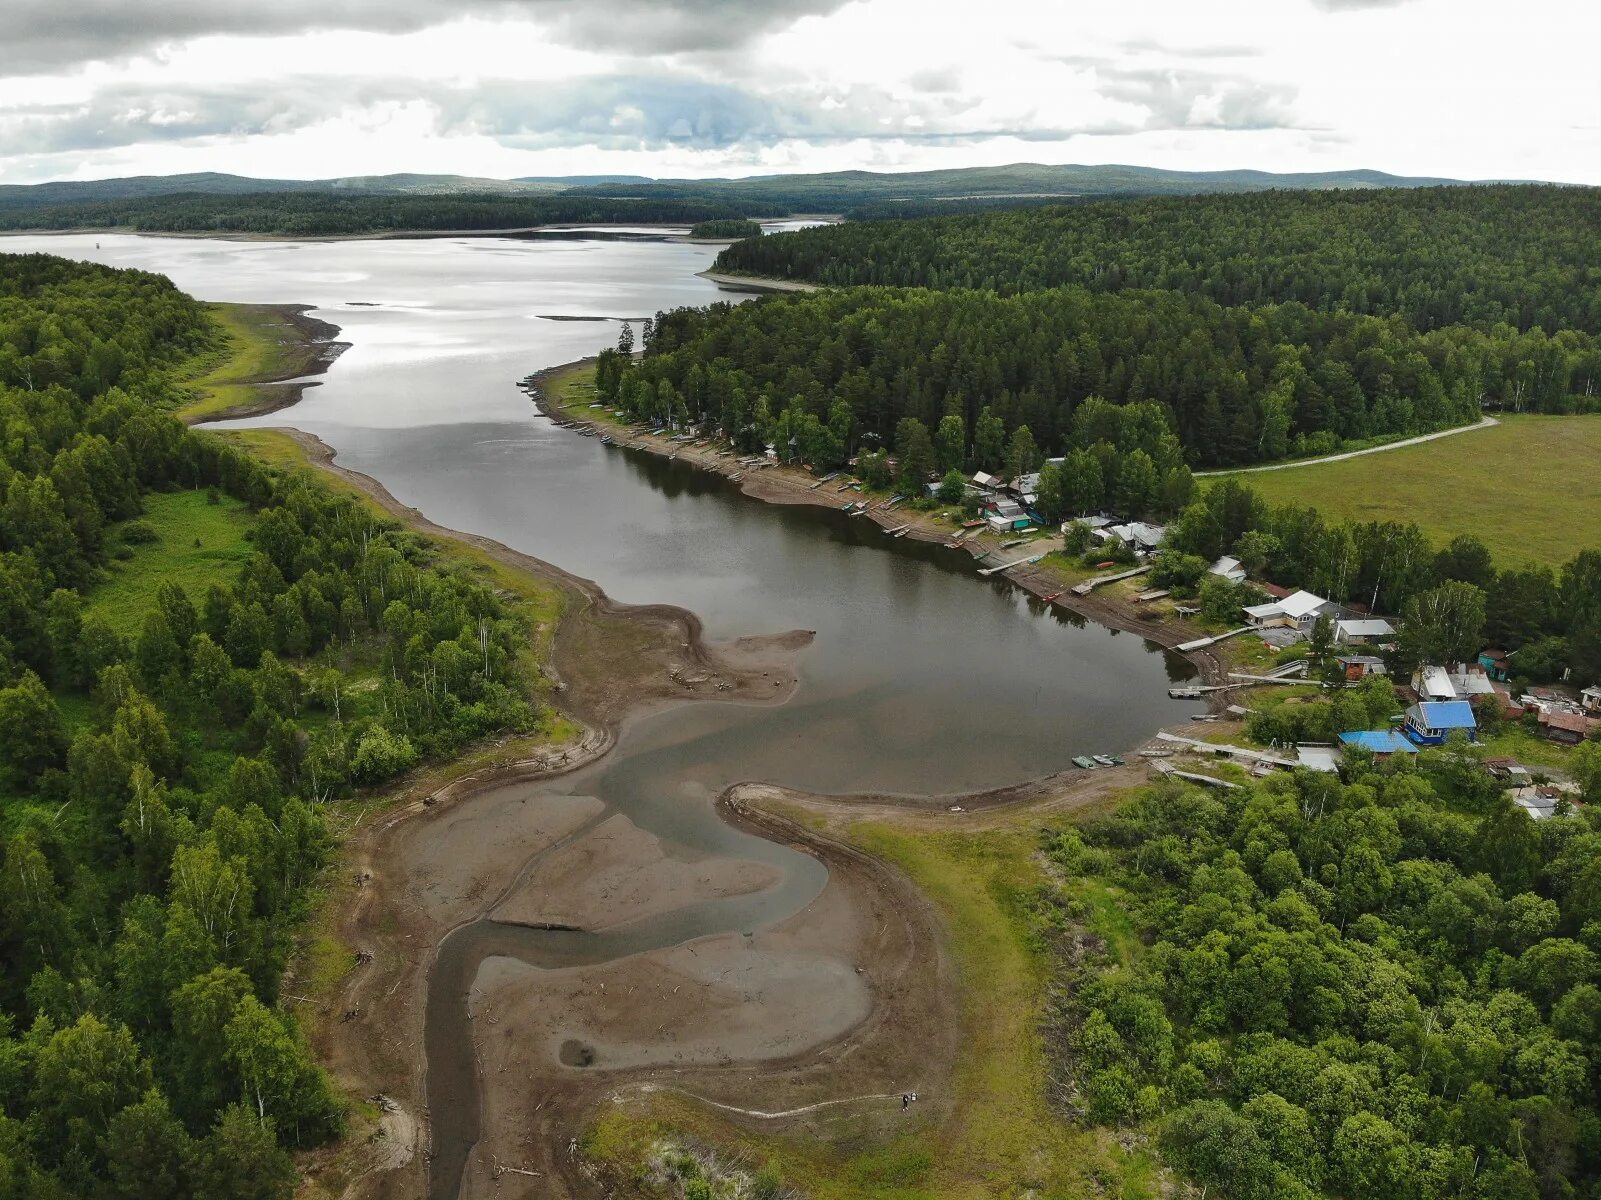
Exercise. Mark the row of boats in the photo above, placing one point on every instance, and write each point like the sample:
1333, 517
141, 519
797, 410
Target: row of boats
1091, 762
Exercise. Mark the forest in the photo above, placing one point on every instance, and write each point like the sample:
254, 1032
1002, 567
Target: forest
316, 214
1236, 384
162, 794
1382, 984
1521, 256
726, 228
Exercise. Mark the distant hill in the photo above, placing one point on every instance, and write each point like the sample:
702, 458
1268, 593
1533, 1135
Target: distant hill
837, 191
211, 183
924, 191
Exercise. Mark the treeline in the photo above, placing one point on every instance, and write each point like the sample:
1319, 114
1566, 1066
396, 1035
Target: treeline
733, 227
161, 797
1515, 255
1385, 984
1453, 601
311, 214
1238, 384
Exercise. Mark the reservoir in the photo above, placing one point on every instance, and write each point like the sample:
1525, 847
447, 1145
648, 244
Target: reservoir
922, 678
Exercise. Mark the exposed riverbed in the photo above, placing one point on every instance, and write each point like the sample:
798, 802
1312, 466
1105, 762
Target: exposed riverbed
921, 680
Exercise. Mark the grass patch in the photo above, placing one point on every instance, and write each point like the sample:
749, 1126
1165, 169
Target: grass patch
1512, 740
197, 543
256, 346
1529, 488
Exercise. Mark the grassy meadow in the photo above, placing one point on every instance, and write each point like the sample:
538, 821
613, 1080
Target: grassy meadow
1530, 488
198, 542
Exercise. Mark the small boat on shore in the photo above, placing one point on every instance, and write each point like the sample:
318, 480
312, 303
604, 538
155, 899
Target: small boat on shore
1052, 598
1107, 760
1084, 762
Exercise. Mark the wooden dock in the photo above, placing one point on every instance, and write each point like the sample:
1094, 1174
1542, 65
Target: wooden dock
1089, 585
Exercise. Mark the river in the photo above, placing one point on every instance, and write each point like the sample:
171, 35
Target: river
922, 678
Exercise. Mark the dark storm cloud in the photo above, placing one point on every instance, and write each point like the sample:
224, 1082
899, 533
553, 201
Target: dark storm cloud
48, 35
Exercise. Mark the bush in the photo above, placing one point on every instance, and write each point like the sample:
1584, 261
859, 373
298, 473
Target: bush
139, 533
382, 755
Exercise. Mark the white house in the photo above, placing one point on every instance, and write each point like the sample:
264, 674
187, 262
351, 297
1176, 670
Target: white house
1144, 538
1298, 610
1590, 701
1365, 630
1433, 684
1229, 568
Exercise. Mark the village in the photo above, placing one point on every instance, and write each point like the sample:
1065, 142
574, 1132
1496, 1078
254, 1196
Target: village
1266, 648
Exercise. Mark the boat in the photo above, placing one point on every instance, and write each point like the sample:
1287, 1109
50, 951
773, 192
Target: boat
1106, 760
972, 524
1085, 762
1052, 598
1156, 754
903, 531
736, 477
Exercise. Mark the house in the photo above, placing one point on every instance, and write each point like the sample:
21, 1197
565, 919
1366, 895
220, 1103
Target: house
1027, 489
1142, 537
1381, 743
1495, 665
1429, 723
1568, 728
1433, 684
1590, 701
1538, 802
1314, 757
1229, 568
1298, 610
1470, 680
1509, 769
1359, 666
985, 482
1363, 632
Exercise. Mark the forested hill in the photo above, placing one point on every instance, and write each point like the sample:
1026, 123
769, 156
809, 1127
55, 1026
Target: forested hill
311, 214
168, 740
1522, 255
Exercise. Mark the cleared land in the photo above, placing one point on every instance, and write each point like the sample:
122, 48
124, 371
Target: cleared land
198, 543
1530, 488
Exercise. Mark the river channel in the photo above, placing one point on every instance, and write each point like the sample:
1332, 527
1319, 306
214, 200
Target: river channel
922, 679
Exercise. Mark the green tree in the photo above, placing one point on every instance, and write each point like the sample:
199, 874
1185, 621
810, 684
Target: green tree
1444, 624
147, 1152
950, 443
915, 451
32, 735
241, 1160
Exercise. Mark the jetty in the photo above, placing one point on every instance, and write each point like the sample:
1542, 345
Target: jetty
1089, 585
1204, 642
995, 570
1224, 750
1168, 769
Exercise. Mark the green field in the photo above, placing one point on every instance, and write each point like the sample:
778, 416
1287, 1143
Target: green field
1530, 488
198, 543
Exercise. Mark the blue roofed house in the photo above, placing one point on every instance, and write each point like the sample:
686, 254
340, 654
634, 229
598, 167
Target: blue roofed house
1429, 724
1379, 742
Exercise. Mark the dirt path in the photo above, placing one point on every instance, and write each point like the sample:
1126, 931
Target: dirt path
1483, 423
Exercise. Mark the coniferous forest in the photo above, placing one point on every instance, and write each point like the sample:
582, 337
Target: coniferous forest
162, 789
1262, 326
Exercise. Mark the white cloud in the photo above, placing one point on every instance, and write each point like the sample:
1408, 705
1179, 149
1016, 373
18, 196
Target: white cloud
690, 87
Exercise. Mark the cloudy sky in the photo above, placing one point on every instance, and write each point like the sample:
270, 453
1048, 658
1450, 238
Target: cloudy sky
315, 88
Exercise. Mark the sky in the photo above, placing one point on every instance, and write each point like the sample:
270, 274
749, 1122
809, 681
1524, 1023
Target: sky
1469, 89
